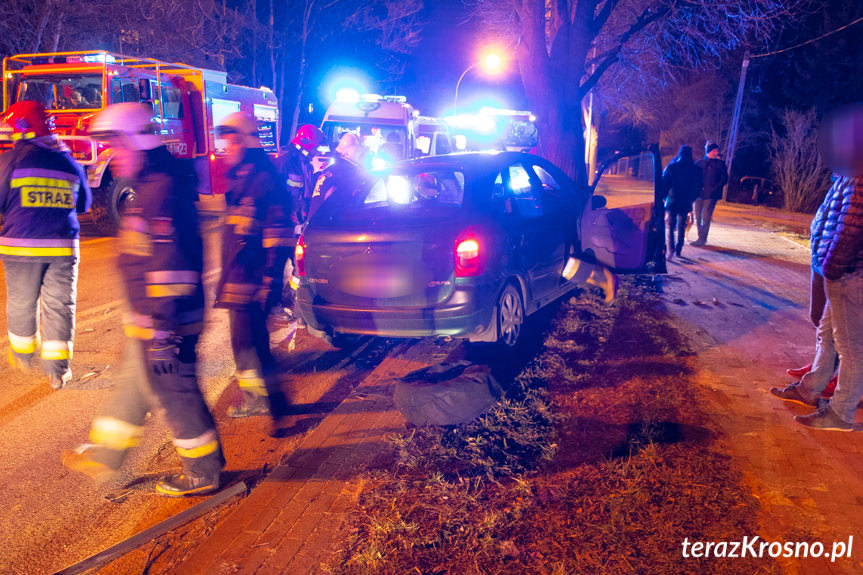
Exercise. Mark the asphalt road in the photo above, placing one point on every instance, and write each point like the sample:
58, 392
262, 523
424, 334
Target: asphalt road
51, 518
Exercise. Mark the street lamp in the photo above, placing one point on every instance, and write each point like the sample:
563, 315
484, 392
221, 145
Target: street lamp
492, 63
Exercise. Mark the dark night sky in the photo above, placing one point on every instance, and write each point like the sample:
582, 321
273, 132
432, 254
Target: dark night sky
451, 42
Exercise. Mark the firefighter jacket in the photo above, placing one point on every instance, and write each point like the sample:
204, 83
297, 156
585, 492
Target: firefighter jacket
42, 191
257, 222
161, 252
297, 172
343, 176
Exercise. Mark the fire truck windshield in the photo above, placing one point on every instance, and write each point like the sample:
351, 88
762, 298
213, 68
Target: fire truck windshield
59, 92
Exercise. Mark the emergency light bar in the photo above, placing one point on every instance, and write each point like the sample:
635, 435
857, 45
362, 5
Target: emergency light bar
75, 59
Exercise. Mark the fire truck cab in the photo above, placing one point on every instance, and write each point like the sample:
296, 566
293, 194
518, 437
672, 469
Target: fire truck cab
187, 104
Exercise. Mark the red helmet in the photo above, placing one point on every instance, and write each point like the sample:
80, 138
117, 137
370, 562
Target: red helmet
27, 120
308, 137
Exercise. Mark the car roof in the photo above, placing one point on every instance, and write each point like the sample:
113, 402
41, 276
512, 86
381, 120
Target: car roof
473, 160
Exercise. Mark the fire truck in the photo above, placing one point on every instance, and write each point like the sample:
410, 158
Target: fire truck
188, 102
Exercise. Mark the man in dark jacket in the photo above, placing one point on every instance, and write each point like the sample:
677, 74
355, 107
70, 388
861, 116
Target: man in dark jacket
160, 260
42, 189
343, 174
681, 181
257, 219
715, 177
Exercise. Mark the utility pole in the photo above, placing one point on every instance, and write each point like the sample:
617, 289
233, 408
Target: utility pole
735, 120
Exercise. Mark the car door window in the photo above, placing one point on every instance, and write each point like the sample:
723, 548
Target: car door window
549, 184
523, 192
500, 204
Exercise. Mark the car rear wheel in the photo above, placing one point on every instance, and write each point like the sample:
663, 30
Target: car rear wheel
510, 316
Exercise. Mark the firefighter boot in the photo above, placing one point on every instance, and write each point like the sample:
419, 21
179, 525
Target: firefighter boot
60, 381
23, 362
85, 459
250, 405
250, 408
185, 484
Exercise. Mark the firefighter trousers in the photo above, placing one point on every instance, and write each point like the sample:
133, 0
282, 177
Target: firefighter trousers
178, 396
250, 342
55, 283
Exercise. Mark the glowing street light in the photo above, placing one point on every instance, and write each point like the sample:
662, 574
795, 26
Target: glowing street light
492, 63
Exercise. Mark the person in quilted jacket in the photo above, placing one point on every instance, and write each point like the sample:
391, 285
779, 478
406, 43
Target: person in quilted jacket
838, 252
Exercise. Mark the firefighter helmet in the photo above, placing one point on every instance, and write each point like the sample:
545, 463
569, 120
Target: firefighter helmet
27, 120
131, 120
308, 137
242, 125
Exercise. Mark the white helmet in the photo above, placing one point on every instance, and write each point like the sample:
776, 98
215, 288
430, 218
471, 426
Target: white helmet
242, 124
132, 120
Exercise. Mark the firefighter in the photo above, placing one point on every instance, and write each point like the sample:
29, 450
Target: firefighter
344, 173
295, 166
257, 219
42, 189
160, 262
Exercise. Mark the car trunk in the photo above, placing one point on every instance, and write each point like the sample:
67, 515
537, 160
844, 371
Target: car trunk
394, 260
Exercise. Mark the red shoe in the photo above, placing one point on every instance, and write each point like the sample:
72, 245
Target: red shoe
800, 371
831, 387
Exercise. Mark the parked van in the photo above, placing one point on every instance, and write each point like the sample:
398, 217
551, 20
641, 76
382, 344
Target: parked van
385, 125
433, 137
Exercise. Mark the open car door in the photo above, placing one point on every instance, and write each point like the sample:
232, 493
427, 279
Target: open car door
622, 226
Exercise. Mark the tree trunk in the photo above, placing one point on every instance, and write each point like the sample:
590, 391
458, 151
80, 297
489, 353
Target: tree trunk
301, 74
40, 30
55, 38
558, 115
271, 47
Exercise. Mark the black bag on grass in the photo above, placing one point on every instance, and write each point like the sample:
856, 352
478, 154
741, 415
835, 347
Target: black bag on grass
446, 394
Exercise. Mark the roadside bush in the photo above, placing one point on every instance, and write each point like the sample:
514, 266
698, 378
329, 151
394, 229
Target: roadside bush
797, 166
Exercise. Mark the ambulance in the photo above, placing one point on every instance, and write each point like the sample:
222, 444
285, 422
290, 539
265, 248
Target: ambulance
385, 125
187, 102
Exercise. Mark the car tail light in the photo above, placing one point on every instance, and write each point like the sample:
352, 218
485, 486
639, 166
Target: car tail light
300, 257
468, 255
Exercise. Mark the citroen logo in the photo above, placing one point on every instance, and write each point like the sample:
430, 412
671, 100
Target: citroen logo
369, 250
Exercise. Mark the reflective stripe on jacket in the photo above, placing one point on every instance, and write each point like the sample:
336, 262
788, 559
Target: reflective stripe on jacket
257, 221
161, 252
42, 189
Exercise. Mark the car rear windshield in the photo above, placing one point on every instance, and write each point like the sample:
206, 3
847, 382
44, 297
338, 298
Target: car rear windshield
425, 192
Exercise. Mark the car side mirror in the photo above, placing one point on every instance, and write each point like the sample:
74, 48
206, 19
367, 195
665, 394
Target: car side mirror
597, 202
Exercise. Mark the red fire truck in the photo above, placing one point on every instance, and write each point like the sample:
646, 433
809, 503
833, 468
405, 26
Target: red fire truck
187, 103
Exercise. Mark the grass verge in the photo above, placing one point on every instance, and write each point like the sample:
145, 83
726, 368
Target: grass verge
596, 461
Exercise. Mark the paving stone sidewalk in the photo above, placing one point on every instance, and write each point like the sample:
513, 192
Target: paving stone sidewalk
743, 301
286, 525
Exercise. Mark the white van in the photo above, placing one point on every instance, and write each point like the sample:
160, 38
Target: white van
385, 125
433, 137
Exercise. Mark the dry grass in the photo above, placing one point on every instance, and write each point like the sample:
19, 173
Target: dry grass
596, 463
